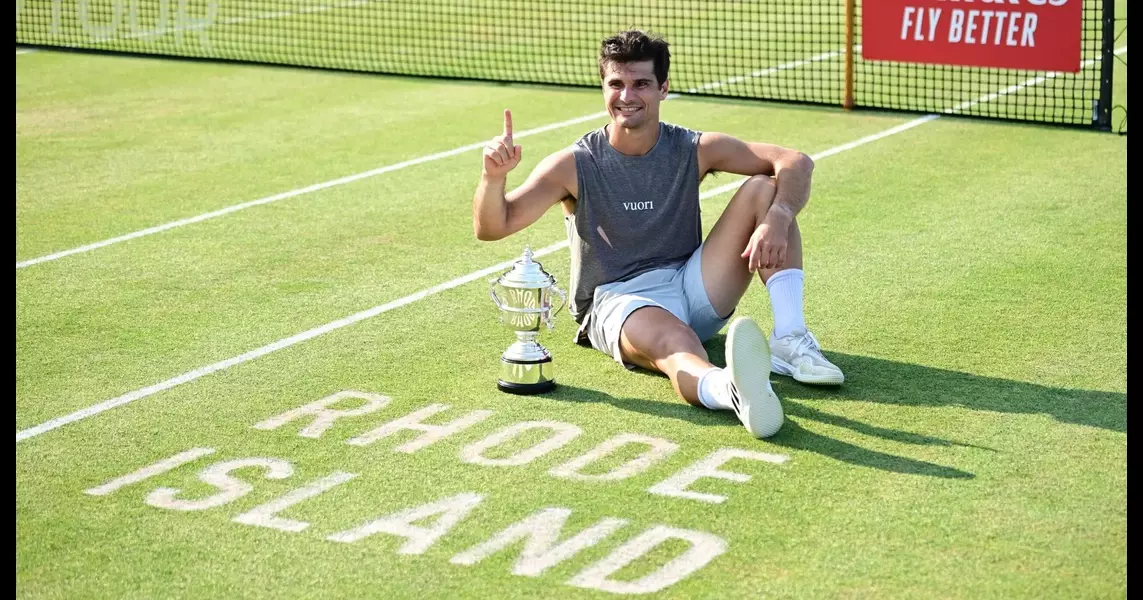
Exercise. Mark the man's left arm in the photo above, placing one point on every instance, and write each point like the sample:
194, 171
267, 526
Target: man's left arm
791, 169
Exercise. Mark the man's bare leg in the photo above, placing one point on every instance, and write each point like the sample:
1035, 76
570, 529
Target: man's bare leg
725, 275
655, 339
724, 271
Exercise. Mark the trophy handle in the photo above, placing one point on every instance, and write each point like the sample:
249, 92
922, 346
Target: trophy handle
495, 298
563, 302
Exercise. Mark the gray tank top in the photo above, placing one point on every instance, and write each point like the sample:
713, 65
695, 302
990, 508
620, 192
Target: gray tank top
634, 213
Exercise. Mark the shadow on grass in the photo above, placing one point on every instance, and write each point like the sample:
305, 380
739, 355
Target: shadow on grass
792, 435
889, 382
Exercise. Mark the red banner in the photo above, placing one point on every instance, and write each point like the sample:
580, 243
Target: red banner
1038, 35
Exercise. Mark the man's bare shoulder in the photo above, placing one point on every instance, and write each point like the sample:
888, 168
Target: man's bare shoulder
713, 147
715, 140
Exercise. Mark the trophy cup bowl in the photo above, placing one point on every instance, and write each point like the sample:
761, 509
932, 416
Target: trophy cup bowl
525, 303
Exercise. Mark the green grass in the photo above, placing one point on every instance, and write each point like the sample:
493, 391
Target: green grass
969, 276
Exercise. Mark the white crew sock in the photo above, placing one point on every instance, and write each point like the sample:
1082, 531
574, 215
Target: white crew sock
714, 389
785, 289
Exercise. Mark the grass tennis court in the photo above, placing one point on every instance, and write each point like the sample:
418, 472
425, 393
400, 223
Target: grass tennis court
969, 276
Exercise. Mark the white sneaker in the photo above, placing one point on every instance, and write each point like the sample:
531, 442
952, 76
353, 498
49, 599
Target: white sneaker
748, 362
800, 357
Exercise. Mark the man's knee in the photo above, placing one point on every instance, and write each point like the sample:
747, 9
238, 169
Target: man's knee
756, 194
677, 339
657, 335
753, 197
760, 188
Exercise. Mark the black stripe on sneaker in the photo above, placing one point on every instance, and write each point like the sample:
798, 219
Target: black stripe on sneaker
734, 398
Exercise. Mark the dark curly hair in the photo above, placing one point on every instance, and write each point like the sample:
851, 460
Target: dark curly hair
635, 45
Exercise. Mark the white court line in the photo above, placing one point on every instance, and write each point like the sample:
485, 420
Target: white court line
1015, 88
351, 178
274, 347
25, 51
298, 192
921, 120
372, 312
835, 150
768, 71
432, 157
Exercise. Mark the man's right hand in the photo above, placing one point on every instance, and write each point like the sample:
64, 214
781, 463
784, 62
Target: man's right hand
500, 156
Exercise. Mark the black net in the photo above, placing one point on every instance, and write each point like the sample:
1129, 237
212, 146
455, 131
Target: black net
787, 50
1067, 98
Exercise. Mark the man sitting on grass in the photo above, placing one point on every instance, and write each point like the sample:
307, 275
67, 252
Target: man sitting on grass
645, 287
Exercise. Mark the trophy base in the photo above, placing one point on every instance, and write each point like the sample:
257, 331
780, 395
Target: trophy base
526, 389
526, 377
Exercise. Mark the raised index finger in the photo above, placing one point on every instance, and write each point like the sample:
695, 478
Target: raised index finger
507, 123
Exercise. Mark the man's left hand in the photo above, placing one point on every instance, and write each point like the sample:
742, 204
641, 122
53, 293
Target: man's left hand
767, 246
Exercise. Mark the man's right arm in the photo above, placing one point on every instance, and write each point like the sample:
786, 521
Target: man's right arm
497, 214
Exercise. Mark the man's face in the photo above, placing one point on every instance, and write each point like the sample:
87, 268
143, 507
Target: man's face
632, 94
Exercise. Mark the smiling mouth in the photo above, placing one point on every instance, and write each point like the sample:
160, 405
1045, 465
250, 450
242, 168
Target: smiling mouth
627, 110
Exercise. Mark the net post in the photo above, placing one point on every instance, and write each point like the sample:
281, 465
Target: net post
850, 8
1107, 66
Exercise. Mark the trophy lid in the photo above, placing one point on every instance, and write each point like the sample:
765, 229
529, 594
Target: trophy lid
526, 273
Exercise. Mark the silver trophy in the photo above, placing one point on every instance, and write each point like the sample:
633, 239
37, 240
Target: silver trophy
525, 301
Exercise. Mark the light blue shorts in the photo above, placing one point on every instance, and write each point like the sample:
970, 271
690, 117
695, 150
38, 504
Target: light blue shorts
679, 290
